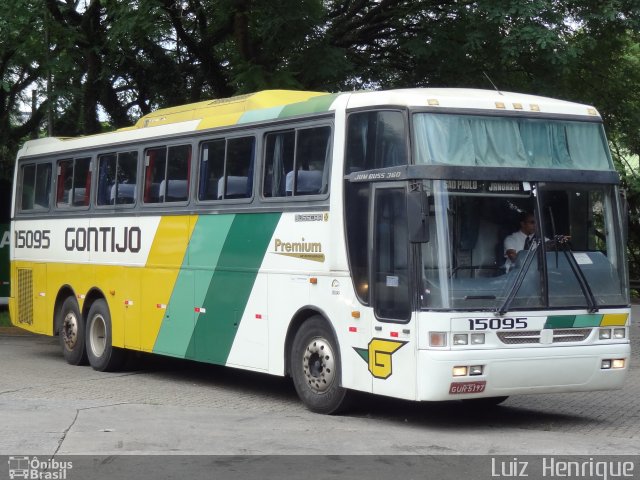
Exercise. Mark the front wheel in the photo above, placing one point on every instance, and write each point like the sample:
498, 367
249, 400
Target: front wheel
103, 356
315, 368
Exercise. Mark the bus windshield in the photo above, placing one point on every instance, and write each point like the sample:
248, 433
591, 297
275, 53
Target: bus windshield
574, 257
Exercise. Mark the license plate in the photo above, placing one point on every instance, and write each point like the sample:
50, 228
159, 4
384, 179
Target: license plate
467, 387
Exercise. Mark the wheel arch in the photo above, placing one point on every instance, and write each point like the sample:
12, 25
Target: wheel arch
301, 316
93, 295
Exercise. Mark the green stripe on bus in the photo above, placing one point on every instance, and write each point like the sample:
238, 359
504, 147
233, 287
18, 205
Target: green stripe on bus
313, 105
587, 321
560, 321
231, 284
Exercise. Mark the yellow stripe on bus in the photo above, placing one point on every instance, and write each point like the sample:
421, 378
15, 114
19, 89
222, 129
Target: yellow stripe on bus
614, 320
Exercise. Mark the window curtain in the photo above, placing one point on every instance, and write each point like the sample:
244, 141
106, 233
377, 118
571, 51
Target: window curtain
494, 141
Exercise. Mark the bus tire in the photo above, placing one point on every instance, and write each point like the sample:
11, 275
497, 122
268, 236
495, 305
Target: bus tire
70, 326
315, 368
102, 355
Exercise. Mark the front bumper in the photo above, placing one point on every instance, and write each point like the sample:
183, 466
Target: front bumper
520, 371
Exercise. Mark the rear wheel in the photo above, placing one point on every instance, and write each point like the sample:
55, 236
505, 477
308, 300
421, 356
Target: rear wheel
315, 368
103, 356
71, 332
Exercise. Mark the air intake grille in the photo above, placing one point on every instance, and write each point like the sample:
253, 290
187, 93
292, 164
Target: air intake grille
25, 296
515, 338
563, 335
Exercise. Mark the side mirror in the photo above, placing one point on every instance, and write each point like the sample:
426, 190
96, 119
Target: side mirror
418, 217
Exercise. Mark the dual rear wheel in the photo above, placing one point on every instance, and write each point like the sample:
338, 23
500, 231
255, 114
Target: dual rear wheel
91, 341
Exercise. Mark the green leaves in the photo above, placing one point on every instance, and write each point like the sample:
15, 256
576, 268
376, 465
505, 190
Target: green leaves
124, 58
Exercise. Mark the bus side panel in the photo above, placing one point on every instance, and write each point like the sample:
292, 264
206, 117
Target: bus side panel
214, 288
231, 285
252, 330
132, 309
173, 335
287, 294
161, 278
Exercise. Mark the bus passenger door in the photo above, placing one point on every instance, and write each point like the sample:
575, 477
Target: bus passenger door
394, 367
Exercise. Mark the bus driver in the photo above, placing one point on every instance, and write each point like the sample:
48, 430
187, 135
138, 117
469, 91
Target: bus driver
520, 240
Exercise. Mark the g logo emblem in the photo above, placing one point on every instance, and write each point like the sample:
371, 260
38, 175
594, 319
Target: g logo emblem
378, 356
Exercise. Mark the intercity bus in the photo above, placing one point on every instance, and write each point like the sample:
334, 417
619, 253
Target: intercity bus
351, 241
5, 236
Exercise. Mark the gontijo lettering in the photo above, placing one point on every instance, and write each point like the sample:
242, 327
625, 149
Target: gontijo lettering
103, 239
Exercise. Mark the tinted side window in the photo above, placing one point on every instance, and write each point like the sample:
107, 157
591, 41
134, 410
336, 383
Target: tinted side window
74, 182
226, 168
239, 168
312, 162
278, 162
35, 186
211, 169
297, 162
117, 178
375, 140
166, 177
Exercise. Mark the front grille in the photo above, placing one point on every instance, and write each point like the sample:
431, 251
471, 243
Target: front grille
561, 335
515, 338
25, 296
570, 335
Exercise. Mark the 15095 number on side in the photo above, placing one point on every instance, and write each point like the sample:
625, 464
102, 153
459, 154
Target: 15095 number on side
497, 323
33, 238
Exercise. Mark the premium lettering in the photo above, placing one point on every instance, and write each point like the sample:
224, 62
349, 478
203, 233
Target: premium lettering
297, 247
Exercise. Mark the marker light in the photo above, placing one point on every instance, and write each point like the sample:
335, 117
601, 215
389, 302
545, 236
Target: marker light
437, 339
459, 371
460, 339
619, 333
477, 338
605, 334
475, 370
606, 364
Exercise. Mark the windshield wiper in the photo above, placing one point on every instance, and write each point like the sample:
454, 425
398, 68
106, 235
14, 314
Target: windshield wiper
517, 282
592, 303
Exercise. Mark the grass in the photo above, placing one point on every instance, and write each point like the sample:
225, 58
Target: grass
4, 317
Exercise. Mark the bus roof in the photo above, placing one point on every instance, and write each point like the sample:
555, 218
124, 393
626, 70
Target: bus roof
275, 104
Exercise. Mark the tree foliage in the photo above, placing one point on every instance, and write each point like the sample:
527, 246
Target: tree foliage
118, 59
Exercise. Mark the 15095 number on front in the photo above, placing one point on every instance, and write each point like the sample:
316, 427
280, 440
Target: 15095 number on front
497, 323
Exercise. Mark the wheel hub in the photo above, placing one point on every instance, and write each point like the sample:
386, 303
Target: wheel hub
98, 336
318, 364
70, 330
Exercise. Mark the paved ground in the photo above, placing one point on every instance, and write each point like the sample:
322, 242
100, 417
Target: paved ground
176, 407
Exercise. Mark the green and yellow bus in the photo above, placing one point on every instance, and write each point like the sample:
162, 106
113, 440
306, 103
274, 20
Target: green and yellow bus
352, 241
